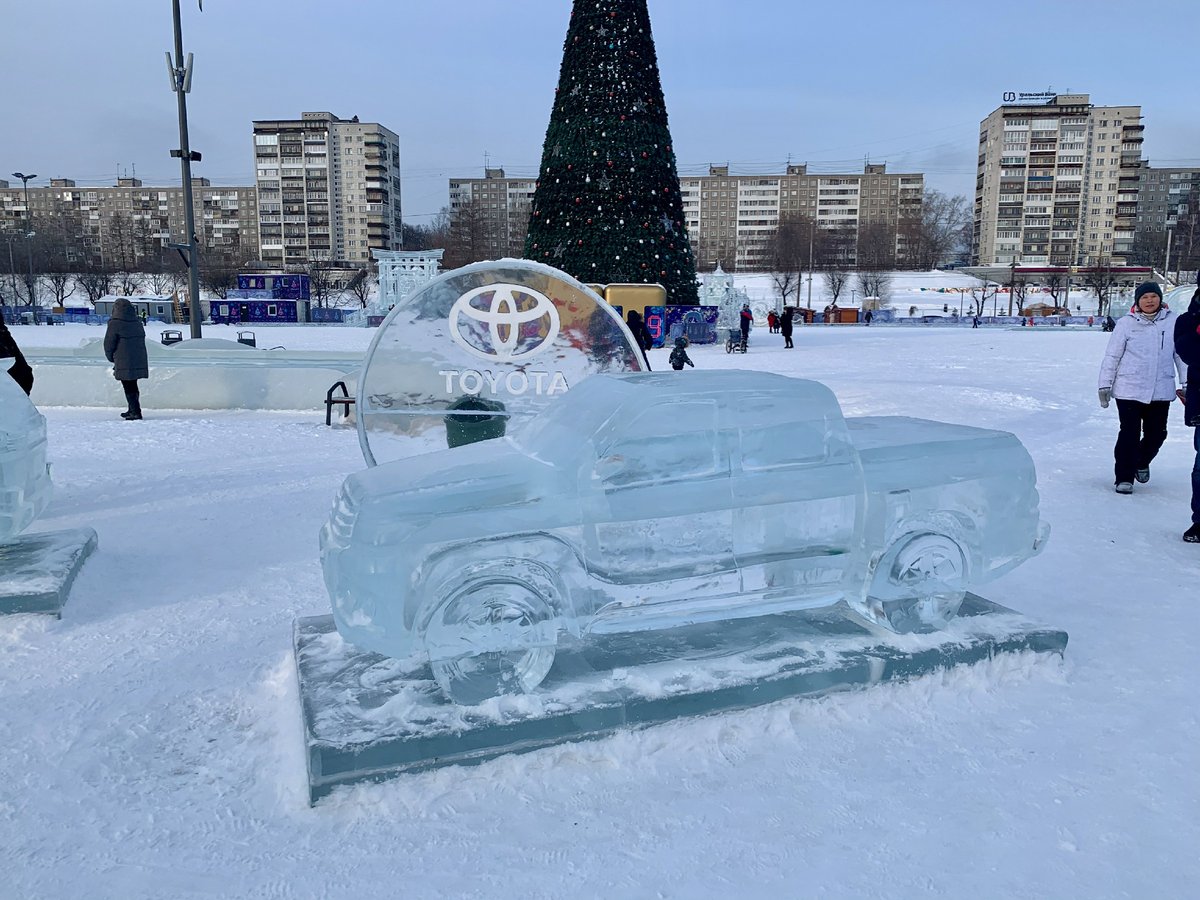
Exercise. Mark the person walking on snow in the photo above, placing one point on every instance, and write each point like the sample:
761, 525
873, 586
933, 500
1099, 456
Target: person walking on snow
785, 327
1139, 371
641, 334
125, 348
679, 356
1187, 346
745, 319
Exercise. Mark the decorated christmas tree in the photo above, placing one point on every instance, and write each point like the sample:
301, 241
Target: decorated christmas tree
607, 208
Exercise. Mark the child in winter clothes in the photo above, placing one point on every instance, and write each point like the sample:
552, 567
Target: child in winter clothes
679, 355
1139, 370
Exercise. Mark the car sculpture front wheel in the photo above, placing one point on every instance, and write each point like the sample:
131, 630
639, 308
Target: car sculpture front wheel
918, 585
495, 636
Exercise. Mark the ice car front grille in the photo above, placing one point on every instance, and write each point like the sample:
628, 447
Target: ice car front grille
341, 523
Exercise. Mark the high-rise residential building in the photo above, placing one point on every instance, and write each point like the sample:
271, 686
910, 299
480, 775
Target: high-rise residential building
489, 216
1057, 182
1168, 227
1166, 195
118, 225
328, 190
730, 219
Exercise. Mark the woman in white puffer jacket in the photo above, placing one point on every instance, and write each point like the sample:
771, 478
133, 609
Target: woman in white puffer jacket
1139, 370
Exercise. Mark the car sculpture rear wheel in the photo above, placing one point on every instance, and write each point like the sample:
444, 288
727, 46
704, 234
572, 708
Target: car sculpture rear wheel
495, 636
918, 585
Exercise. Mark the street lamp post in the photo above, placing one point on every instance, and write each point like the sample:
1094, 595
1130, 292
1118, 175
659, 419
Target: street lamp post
29, 233
181, 84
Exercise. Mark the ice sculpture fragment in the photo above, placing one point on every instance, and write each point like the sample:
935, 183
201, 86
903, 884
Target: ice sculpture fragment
646, 502
24, 479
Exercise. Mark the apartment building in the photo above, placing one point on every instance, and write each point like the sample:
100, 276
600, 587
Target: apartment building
731, 218
328, 190
1057, 182
1166, 196
126, 219
489, 216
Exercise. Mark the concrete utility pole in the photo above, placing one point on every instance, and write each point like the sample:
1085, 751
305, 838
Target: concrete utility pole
29, 233
811, 227
181, 83
1167, 262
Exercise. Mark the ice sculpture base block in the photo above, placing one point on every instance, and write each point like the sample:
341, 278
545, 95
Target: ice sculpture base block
37, 570
369, 717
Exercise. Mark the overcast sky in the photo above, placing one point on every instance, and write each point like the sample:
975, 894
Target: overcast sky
748, 83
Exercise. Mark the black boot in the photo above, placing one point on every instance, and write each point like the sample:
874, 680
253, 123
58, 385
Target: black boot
1192, 535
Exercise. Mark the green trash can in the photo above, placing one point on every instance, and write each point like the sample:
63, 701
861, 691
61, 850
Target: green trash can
481, 420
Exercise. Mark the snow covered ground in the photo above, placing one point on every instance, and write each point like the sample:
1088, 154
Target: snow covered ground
150, 742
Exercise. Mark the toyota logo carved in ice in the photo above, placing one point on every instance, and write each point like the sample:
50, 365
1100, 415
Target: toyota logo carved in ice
516, 323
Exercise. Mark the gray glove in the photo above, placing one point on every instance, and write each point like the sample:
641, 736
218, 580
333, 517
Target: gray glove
1105, 396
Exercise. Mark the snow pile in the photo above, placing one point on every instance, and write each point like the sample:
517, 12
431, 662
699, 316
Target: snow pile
150, 740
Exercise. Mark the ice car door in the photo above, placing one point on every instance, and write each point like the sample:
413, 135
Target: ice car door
799, 491
658, 518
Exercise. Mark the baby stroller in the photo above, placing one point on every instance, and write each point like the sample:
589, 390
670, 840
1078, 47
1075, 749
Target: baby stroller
735, 342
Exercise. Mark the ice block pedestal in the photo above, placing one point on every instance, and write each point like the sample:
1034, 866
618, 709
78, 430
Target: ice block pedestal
37, 570
369, 717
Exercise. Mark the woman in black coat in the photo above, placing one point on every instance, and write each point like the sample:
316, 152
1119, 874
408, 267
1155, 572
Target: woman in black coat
785, 327
125, 348
20, 371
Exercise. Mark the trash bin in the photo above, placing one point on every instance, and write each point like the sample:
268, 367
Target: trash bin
479, 420
172, 337
247, 338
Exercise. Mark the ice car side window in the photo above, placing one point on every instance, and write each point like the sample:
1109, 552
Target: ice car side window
782, 446
661, 445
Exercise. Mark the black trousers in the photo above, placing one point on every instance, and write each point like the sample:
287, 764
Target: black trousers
132, 396
1196, 478
1143, 430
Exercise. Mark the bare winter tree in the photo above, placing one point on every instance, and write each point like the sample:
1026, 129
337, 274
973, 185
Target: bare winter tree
875, 284
61, 254
876, 248
937, 235
434, 236
1054, 284
361, 286
1100, 279
320, 283
218, 273
835, 282
120, 251
473, 236
1149, 249
1017, 289
788, 249
95, 280
981, 294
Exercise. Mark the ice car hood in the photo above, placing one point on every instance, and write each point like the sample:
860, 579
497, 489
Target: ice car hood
487, 474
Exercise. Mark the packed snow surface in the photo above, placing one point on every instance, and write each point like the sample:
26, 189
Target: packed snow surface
150, 741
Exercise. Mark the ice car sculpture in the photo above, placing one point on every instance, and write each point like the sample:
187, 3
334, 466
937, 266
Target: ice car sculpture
24, 479
641, 502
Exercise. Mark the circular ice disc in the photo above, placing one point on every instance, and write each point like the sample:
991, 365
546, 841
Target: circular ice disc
477, 351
